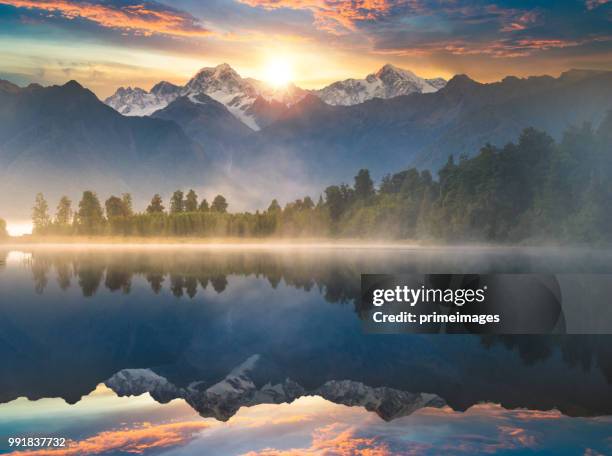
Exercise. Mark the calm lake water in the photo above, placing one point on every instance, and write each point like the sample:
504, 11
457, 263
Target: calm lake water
259, 350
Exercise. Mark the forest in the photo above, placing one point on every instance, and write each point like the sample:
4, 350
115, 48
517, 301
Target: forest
530, 190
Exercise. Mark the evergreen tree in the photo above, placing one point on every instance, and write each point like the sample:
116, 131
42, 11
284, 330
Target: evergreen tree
127, 204
204, 206
334, 200
115, 207
219, 204
307, 203
191, 201
90, 216
364, 187
63, 214
274, 206
156, 206
177, 203
40, 214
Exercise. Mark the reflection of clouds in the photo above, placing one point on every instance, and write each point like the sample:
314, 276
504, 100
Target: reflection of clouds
136, 440
337, 439
312, 426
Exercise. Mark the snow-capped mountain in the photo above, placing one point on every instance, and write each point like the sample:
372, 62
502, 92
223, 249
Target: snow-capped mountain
388, 82
222, 400
138, 102
256, 103
221, 83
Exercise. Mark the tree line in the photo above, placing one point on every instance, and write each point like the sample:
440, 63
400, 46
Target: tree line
533, 189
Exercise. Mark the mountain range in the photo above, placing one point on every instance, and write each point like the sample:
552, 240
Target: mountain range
224, 133
249, 99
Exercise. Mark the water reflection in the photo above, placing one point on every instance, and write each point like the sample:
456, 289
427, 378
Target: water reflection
225, 329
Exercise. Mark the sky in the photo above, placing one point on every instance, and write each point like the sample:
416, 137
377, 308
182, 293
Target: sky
105, 44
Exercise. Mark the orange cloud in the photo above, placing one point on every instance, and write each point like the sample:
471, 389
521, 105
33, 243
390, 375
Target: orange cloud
146, 18
334, 16
134, 440
336, 439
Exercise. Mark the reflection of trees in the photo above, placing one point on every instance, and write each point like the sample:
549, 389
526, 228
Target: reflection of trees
189, 272
64, 272
40, 270
582, 351
219, 283
177, 283
90, 275
118, 277
3, 256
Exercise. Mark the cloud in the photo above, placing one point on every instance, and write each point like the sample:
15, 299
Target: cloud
592, 4
144, 17
521, 22
499, 48
127, 440
335, 16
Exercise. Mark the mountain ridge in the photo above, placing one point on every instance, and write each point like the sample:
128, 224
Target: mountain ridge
244, 96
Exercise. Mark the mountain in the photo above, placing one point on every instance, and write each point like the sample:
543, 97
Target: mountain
258, 104
423, 129
63, 140
223, 399
208, 122
302, 143
388, 82
138, 102
221, 83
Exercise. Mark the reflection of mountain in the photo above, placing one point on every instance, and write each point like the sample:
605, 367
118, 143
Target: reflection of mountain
274, 304
223, 399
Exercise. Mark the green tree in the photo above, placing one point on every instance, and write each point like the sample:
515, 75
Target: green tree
219, 204
191, 201
156, 206
40, 214
364, 187
90, 216
308, 203
177, 203
115, 207
63, 214
203, 206
128, 206
274, 207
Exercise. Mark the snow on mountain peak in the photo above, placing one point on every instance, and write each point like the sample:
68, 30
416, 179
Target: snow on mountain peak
239, 95
388, 82
221, 83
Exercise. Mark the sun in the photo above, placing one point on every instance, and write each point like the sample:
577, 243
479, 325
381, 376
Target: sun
278, 73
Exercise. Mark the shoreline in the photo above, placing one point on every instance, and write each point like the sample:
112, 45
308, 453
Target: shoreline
108, 242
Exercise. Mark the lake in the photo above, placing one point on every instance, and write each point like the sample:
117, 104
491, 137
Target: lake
259, 350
